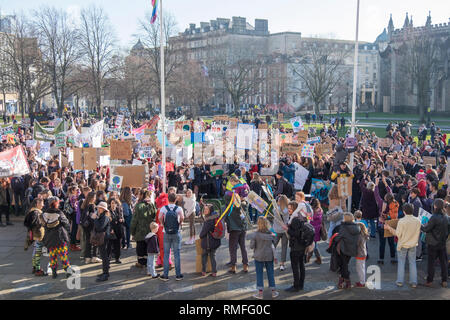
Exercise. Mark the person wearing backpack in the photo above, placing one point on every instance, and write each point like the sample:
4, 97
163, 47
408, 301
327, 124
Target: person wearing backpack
144, 214
283, 186
171, 217
347, 240
264, 253
210, 242
34, 223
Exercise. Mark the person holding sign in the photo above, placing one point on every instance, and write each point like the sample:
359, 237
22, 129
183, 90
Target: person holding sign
407, 232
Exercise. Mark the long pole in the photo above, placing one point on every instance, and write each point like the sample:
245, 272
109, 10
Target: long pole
355, 80
163, 95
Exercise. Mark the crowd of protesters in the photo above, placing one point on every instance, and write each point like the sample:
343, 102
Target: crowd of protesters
68, 211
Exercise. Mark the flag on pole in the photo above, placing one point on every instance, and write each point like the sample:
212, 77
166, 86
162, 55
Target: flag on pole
154, 11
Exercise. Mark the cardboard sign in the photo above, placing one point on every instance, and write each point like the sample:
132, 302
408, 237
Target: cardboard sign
324, 148
221, 118
77, 159
121, 150
393, 224
60, 140
429, 160
257, 202
345, 187
285, 138
385, 142
313, 140
291, 148
280, 117
302, 136
90, 158
133, 176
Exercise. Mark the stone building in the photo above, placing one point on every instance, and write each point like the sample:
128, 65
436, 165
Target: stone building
398, 91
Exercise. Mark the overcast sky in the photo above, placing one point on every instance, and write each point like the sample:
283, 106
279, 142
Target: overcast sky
325, 18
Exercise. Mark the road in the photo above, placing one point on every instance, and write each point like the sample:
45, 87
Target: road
129, 283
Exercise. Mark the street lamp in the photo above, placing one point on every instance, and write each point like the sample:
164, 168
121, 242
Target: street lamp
329, 105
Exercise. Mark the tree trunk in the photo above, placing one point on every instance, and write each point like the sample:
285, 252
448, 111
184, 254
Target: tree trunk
317, 109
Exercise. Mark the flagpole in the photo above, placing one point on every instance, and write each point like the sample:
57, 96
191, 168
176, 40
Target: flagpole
163, 102
355, 80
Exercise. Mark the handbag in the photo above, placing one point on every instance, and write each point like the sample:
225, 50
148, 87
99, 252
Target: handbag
323, 231
97, 238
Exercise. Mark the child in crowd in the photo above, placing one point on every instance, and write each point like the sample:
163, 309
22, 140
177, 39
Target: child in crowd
208, 242
362, 254
151, 240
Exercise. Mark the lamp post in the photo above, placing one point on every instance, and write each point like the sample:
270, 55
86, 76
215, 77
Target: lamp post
329, 104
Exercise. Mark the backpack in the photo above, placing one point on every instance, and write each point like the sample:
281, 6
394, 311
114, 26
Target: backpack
307, 234
171, 224
289, 190
28, 221
219, 229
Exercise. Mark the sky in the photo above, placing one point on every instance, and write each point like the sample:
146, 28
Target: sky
324, 18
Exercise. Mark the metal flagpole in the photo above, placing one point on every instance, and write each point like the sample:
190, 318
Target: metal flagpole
355, 79
163, 102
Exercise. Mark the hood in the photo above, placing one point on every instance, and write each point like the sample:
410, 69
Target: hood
162, 200
149, 235
50, 217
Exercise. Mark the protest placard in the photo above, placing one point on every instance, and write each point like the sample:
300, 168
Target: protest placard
308, 151
351, 142
60, 140
245, 136
323, 149
393, 224
345, 187
257, 202
291, 148
221, 118
313, 140
280, 117
297, 124
133, 176
320, 189
119, 120
121, 150
285, 138
429, 160
302, 136
13, 163
115, 183
90, 158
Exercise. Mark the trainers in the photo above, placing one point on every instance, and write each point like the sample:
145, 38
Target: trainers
275, 294
102, 278
164, 278
258, 295
40, 273
414, 285
292, 289
360, 285
118, 261
203, 274
75, 248
88, 260
180, 277
157, 276
213, 275
418, 259
96, 260
282, 268
399, 284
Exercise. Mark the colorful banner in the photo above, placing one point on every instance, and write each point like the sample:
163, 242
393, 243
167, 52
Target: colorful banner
319, 189
43, 134
13, 163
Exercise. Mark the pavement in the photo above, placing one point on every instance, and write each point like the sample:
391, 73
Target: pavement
127, 282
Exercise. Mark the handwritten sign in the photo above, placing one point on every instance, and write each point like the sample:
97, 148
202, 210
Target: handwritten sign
308, 151
313, 140
393, 224
322, 149
429, 160
302, 136
121, 150
344, 187
291, 148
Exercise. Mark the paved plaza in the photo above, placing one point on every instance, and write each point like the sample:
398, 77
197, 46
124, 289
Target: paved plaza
129, 283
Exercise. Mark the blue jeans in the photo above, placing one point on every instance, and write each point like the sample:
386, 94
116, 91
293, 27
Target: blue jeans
260, 274
219, 187
373, 228
172, 241
126, 239
151, 264
411, 253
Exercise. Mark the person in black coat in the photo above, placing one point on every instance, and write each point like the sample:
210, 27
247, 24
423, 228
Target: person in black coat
102, 223
347, 247
116, 229
208, 242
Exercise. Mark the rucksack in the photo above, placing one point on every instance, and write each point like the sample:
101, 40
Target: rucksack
219, 229
289, 191
307, 234
171, 224
28, 221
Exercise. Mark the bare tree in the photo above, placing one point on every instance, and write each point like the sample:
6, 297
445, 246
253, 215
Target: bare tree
238, 66
25, 64
151, 41
421, 59
135, 81
321, 68
97, 44
192, 86
58, 40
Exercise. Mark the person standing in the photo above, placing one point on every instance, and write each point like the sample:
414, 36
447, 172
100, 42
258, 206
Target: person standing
316, 222
126, 200
144, 214
264, 253
209, 244
37, 234
283, 203
116, 229
102, 225
6, 200
88, 211
171, 217
56, 236
437, 230
189, 204
407, 232
151, 240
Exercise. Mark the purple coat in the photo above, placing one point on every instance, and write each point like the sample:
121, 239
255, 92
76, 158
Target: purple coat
369, 205
316, 222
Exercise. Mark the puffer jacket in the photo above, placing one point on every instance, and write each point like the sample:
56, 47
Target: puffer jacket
207, 240
437, 230
294, 232
103, 224
348, 238
56, 228
144, 214
262, 244
37, 228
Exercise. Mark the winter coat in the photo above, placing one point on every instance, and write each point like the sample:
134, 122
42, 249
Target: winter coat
144, 214
151, 240
56, 228
369, 206
437, 230
282, 187
207, 240
348, 237
362, 248
276, 225
116, 226
294, 232
262, 244
417, 205
103, 224
316, 222
289, 172
256, 186
6, 196
86, 214
233, 220
37, 227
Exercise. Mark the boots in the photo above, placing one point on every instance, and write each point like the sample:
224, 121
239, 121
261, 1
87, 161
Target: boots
341, 283
54, 273
232, 269
348, 284
318, 257
308, 257
245, 268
